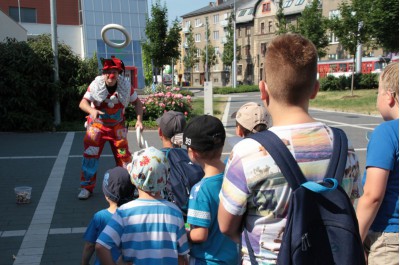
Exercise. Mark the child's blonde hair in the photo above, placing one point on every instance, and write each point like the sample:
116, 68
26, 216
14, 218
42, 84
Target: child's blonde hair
390, 79
291, 68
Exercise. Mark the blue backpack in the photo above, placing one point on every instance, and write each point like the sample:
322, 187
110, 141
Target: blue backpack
322, 226
183, 175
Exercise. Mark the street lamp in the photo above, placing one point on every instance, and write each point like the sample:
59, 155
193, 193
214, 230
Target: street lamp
359, 48
234, 45
206, 67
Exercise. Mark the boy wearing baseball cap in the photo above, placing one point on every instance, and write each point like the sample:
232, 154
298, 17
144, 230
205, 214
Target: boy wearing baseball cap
148, 230
204, 137
251, 118
117, 189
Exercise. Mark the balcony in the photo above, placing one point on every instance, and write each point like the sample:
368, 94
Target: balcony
185, 30
185, 45
224, 40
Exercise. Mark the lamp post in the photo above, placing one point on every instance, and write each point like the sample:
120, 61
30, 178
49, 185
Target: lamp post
206, 66
359, 48
234, 45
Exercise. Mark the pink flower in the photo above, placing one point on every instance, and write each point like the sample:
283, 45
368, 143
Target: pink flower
188, 97
185, 113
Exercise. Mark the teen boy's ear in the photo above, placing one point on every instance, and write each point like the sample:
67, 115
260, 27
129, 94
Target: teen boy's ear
316, 89
263, 89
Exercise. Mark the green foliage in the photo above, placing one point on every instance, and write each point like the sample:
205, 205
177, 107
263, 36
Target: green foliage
361, 81
281, 20
382, 19
26, 96
238, 89
227, 55
162, 46
190, 58
313, 25
28, 91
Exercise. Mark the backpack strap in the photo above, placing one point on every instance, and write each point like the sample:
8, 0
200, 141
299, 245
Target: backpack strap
290, 168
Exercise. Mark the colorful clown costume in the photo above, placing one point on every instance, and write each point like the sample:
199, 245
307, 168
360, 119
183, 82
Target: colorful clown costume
109, 127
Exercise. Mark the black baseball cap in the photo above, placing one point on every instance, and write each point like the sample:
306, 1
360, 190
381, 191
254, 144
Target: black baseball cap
117, 185
204, 133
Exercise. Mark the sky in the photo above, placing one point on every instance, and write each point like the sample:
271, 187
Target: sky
177, 8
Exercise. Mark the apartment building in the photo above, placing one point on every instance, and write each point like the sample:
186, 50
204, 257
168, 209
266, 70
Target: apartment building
79, 24
217, 13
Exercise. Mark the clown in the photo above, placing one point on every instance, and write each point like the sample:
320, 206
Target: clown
105, 101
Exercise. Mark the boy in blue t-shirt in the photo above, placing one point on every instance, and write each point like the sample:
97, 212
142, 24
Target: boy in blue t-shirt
117, 189
378, 208
204, 137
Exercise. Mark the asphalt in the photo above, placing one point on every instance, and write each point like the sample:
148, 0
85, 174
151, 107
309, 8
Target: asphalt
49, 229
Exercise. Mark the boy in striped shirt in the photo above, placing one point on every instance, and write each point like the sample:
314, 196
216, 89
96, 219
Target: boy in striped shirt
148, 230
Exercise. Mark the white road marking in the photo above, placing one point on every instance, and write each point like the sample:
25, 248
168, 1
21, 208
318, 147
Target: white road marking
34, 242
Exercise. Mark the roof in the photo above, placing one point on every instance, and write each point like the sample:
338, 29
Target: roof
245, 11
214, 8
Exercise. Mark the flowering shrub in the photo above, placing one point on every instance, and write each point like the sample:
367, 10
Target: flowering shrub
165, 99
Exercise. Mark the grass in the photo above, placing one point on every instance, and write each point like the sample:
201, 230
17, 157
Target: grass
363, 101
218, 106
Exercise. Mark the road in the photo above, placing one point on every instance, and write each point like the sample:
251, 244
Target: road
49, 229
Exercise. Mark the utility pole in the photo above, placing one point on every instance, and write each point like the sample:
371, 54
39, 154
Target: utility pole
53, 16
359, 48
234, 45
206, 68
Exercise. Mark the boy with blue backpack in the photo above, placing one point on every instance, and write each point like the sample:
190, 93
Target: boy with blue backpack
183, 174
256, 194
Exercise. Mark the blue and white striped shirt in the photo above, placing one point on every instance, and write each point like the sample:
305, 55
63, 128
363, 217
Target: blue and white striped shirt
147, 231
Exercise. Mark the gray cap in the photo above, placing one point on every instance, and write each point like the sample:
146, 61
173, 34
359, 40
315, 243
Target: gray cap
171, 123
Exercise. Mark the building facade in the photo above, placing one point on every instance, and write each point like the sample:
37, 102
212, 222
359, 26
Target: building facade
79, 24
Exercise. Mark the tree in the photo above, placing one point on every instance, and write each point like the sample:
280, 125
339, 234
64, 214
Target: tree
347, 28
313, 25
227, 55
162, 45
383, 21
281, 20
208, 54
190, 58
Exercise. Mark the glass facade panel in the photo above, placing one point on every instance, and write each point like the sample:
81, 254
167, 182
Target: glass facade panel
129, 13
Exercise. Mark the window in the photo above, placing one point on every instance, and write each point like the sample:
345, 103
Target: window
197, 37
270, 26
262, 26
242, 12
216, 18
215, 80
263, 48
334, 14
299, 2
198, 53
248, 31
196, 67
187, 24
333, 38
250, 11
287, 3
28, 15
216, 51
239, 32
239, 51
215, 67
197, 22
266, 7
247, 50
216, 35
239, 69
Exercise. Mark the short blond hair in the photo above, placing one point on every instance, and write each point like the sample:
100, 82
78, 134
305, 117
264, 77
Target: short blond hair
390, 79
291, 68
